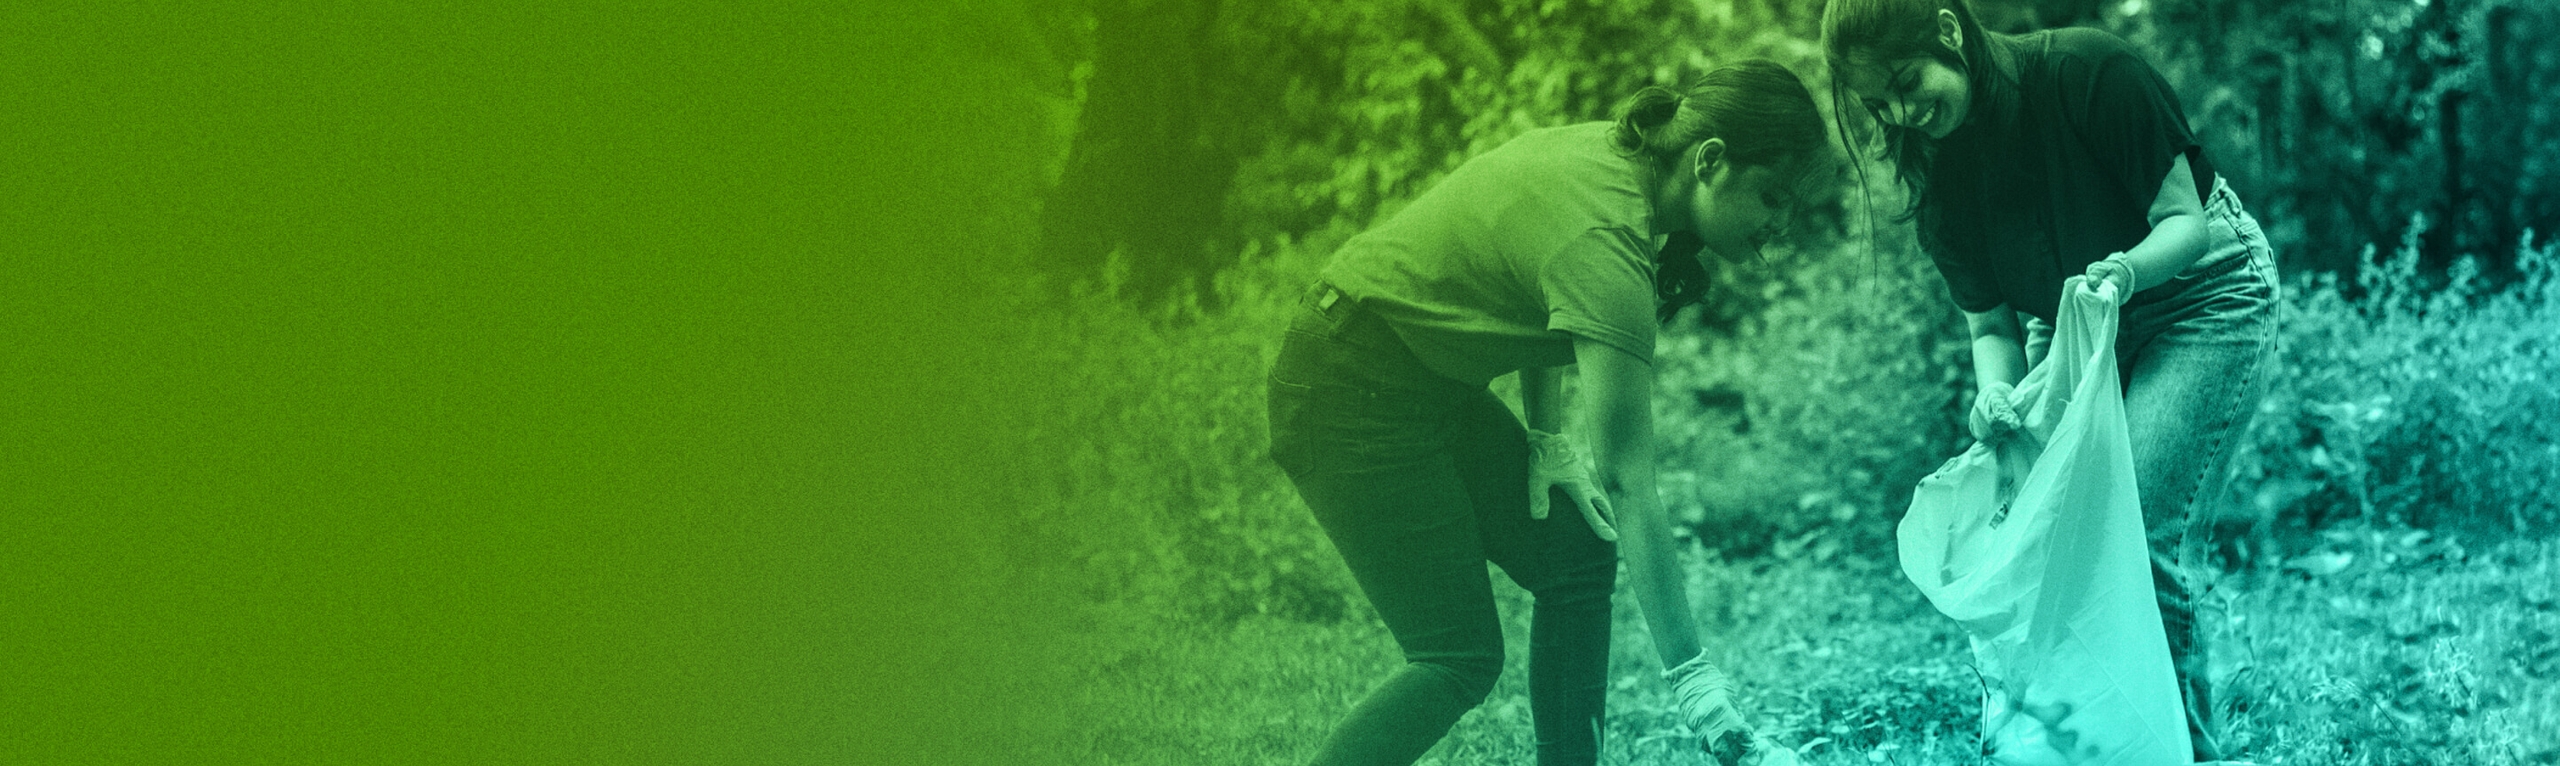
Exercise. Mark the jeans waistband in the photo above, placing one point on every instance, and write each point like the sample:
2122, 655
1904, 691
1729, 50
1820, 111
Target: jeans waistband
1326, 299
1363, 345
1341, 313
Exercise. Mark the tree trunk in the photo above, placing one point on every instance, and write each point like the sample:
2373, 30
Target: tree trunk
1144, 178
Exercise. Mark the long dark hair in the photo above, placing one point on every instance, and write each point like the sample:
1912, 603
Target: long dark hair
1889, 30
1764, 114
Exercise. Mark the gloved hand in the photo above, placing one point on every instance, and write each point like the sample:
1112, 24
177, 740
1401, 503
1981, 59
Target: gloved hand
1994, 416
1703, 696
2113, 269
1556, 461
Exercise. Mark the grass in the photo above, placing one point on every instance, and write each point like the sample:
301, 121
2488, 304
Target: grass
1832, 652
2416, 651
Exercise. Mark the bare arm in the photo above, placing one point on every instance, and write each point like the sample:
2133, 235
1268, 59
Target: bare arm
1999, 346
1617, 406
2177, 235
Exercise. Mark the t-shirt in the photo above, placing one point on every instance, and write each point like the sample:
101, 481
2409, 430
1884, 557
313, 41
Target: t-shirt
1494, 268
2058, 171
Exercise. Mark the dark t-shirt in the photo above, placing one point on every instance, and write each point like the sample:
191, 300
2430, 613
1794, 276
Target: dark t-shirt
2058, 170
1498, 266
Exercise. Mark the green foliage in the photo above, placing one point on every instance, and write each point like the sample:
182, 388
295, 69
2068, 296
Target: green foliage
2415, 405
1153, 447
2340, 119
1820, 410
1380, 98
2418, 653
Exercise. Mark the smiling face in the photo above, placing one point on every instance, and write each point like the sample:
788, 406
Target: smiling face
1921, 92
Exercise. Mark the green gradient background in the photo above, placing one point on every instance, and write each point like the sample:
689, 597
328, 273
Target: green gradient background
422, 383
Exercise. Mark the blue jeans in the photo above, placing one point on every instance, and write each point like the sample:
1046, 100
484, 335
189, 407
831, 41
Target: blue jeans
2195, 362
1419, 480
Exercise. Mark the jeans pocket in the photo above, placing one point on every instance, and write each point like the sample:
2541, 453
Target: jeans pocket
1290, 400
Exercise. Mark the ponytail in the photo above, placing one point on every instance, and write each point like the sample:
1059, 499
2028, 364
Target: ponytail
1642, 119
1762, 111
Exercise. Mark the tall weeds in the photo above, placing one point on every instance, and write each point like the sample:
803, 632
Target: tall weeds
2409, 400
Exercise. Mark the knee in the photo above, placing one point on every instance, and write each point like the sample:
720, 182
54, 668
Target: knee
1468, 677
1584, 586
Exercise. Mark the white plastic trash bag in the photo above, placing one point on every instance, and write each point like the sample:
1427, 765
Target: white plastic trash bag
2036, 547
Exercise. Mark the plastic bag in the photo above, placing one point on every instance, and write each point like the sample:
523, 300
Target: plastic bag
2036, 547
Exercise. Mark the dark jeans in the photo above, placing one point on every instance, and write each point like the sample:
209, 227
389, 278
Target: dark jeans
1419, 480
2194, 365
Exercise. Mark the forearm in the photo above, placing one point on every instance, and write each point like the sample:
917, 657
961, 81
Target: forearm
2174, 244
2177, 235
1999, 348
1541, 394
1618, 392
1998, 359
1653, 570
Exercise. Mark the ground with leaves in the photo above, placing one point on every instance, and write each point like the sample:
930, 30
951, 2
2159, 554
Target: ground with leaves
2379, 648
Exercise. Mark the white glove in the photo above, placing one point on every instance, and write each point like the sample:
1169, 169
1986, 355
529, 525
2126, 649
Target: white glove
1703, 695
1556, 461
2113, 269
1994, 416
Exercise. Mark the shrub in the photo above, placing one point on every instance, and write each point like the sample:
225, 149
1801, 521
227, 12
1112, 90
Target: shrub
1158, 492
1821, 409
2416, 404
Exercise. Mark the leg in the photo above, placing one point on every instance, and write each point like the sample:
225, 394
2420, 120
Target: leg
1371, 458
1410, 538
1569, 570
2196, 373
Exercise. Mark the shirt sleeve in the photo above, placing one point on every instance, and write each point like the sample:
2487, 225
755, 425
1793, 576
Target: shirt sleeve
1600, 286
2132, 123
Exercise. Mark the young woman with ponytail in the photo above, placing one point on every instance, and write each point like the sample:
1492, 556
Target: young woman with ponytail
2030, 159
1564, 246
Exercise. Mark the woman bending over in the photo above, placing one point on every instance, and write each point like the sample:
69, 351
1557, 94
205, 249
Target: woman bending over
1563, 246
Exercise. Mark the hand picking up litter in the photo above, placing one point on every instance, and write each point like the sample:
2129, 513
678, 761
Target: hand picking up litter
1704, 696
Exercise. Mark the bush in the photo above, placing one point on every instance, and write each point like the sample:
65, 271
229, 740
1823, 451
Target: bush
2416, 405
1821, 409
1378, 100
1157, 491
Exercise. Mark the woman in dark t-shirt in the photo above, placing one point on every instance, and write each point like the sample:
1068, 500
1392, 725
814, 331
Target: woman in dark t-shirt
2035, 158
1563, 246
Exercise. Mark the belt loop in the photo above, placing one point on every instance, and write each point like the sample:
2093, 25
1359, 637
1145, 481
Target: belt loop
1340, 309
1332, 302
